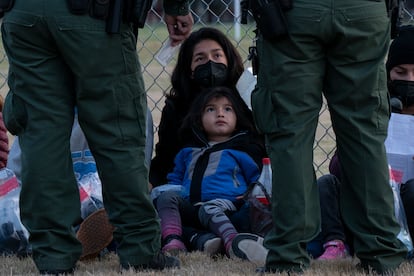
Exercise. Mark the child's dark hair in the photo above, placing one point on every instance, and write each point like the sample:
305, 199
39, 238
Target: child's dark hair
194, 117
183, 88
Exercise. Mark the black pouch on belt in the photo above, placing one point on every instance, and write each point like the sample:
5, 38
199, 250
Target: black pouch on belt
100, 9
136, 11
79, 6
270, 18
5, 5
286, 4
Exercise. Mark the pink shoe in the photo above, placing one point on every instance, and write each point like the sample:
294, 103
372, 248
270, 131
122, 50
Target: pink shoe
174, 247
334, 250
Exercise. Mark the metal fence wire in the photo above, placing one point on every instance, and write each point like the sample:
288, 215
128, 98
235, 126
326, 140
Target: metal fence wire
224, 15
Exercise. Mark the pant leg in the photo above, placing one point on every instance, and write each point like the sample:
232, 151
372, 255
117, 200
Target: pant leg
111, 102
112, 108
331, 219
191, 225
149, 134
332, 227
355, 89
315, 246
168, 207
213, 215
40, 106
241, 219
286, 104
296, 69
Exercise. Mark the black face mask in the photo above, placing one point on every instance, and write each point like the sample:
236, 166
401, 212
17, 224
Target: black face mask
210, 74
402, 90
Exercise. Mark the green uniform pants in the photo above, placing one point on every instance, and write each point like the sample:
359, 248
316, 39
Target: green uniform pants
335, 47
59, 61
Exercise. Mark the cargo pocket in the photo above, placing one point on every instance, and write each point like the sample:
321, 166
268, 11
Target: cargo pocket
263, 110
132, 108
14, 114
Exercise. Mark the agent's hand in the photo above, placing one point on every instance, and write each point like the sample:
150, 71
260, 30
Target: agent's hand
179, 27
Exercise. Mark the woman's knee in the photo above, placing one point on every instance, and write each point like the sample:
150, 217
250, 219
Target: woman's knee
167, 198
328, 183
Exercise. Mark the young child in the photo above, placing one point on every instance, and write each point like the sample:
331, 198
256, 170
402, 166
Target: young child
213, 172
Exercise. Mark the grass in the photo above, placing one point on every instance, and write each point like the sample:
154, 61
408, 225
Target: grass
192, 264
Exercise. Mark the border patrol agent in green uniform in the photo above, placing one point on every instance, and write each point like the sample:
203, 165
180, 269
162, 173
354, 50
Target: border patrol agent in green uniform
59, 60
335, 48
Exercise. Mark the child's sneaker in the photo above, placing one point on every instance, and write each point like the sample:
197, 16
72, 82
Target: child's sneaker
249, 247
174, 247
207, 242
334, 250
213, 246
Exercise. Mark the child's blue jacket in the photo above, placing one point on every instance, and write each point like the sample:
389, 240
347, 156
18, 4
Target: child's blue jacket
223, 170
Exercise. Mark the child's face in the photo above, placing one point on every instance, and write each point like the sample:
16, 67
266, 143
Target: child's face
219, 119
207, 50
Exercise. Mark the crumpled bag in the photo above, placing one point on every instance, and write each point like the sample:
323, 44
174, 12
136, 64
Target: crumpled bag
261, 220
90, 189
404, 235
14, 237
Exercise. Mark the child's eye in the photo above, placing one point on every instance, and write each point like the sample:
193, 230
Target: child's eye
229, 109
209, 109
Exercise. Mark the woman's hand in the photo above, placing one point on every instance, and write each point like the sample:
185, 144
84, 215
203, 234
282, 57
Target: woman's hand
179, 27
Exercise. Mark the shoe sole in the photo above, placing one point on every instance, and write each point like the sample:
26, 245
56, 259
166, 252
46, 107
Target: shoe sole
213, 246
250, 247
95, 233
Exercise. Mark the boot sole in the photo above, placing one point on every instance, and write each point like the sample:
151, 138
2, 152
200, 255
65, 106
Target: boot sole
95, 233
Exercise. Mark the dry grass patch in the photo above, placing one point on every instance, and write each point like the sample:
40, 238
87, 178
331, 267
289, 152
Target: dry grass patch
191, 264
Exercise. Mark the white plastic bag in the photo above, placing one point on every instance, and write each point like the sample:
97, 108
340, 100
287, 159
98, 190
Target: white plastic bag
404, 234
13, 235
245, 86
90, 190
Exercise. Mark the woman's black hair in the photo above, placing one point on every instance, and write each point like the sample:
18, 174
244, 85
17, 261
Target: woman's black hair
194, 118
183, 89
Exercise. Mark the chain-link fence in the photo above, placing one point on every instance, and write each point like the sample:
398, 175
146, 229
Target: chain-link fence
224, 15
